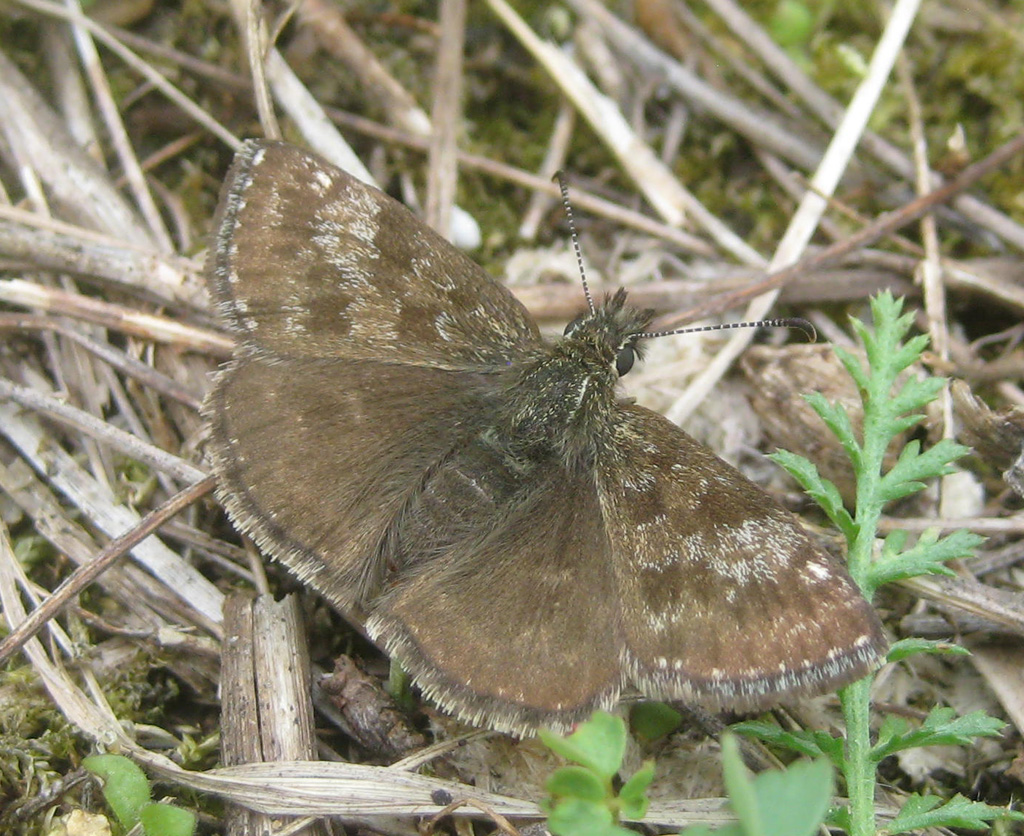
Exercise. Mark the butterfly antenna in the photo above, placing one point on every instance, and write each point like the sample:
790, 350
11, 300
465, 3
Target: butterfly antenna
560, 176
794, 322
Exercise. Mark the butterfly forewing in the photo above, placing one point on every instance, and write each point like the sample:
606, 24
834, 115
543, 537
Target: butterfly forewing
350, 327
308, 261
321, 507
712, 575
514, 623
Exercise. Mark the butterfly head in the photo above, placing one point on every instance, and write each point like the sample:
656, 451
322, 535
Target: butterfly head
612, 332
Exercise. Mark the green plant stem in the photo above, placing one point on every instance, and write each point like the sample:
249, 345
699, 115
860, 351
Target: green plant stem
398, 686
869, 509
858, 767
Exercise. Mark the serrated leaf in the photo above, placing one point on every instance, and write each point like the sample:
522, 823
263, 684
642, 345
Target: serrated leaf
853, 366
887, 357
885, 306
766, 732
598, 744
889, 322
864, 335
940, 728
905, 463
897, 425
927, 556
576, 782
892, 491
906, 354
820, 489
834, 748
956, 544
960, 731
894, 402
803, 470
835, 417
913, 396
905, 566
167, 820
920, 812
893, 727
812, 743
910, 647
894, 542
913, 464
125, 786
800, 468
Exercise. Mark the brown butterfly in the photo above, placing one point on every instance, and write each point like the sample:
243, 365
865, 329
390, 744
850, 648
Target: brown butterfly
527, 543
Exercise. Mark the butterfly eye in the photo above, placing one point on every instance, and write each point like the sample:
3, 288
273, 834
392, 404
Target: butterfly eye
573, 325
624, 359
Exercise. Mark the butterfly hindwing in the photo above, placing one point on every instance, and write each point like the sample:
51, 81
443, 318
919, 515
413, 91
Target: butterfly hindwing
308, 261
508, 614
315, 458
715, 578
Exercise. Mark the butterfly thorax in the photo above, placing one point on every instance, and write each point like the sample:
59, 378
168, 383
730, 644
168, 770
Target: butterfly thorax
560, 401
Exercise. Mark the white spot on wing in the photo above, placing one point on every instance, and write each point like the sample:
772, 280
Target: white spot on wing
323, 180
819, 570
